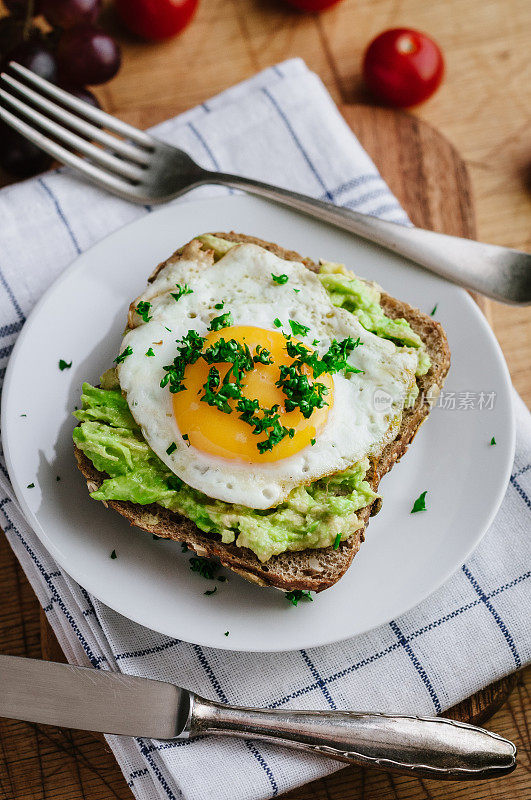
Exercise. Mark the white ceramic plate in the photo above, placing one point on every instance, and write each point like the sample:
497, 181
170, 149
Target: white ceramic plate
405, 557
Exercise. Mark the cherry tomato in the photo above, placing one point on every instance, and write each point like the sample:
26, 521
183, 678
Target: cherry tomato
313, 5
403, 67
156, 19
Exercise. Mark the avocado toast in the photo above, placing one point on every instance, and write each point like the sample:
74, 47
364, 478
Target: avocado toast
199, 521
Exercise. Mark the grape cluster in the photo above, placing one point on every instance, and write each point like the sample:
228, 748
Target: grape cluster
60, 41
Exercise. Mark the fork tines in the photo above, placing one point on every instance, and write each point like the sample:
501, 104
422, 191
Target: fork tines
63, 125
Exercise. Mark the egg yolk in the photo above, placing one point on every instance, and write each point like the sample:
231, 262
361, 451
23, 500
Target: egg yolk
212, 431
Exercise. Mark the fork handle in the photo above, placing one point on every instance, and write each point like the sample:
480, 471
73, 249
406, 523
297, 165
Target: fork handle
498, 272
431, 747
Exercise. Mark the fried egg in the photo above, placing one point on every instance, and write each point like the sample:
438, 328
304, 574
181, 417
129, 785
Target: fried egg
218, 453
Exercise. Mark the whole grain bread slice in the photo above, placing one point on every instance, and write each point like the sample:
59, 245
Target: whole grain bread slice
313, 570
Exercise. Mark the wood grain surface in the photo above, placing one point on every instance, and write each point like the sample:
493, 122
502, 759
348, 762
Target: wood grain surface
483, 108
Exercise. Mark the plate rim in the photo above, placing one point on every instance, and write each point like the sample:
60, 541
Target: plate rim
34, 524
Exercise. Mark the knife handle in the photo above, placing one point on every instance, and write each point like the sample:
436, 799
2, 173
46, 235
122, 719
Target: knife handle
433, 747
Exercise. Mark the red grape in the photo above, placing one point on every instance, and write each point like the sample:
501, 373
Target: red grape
20, 157
82, 94
67, 13
87, 55
20, 6
35, 57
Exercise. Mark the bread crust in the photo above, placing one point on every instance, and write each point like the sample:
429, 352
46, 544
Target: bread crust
309, 570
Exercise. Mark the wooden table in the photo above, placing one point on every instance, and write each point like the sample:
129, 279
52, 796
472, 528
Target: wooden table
483, 108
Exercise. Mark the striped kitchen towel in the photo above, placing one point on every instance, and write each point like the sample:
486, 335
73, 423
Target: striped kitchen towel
280, 126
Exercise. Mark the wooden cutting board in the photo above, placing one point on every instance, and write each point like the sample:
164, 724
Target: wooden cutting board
431, 181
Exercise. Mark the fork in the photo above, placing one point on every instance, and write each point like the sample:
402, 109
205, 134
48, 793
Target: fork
137, 167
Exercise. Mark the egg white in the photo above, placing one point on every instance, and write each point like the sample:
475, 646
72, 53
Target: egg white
355, 427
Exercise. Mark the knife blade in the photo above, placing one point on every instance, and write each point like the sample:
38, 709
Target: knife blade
110, 702
90, 699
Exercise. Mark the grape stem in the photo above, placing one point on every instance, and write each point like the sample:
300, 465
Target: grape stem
30, 13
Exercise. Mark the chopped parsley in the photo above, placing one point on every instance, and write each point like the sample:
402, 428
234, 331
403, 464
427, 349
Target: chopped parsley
434, 309
277, 323
223, 321
142, 310
168, 329
113, 554
296, 291
57, 477
334, 360
300, 392
171, 448
297, 328
211, 591
186, 439
226, 633
181, 291
150, 352
174, 483
337, 541
280, 279
313, 442
123, 355
219, 306
204, 566
493, 441
30, 486
316, 342
296, 595
23, 415
64, 364
420, 503
262, 356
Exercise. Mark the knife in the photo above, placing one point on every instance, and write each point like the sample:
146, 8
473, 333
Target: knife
110, 702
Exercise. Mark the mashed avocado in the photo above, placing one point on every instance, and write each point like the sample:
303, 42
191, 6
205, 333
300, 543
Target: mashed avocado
312, 516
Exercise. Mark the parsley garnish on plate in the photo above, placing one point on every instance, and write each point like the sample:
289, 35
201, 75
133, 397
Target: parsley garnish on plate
123, 355
181, 291
277, 323
204, 566
64, 364
211, 591
113, 554
296, 291
297, 328
420, 503
30, 486
312, 442
223, 321
171, 448
493, 440
296, 595
58, 478
150, 353
219, 306
316, 342
142, 310
337, 541
280, 279
226, 633
434, 309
